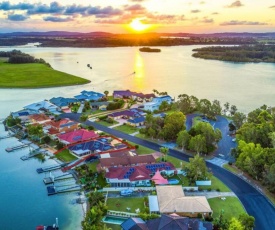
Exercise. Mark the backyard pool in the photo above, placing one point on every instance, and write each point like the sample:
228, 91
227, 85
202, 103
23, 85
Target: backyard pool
114, 219
173, 181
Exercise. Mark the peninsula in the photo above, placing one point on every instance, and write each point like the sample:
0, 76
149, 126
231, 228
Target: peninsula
19, 70
245, 53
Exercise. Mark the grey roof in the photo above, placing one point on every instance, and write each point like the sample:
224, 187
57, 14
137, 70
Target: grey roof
134, 223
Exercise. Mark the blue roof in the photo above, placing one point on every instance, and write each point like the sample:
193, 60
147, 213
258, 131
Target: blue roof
137, 120
89, 95
61, 101
131, 222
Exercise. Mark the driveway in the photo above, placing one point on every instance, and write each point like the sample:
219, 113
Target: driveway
254, 202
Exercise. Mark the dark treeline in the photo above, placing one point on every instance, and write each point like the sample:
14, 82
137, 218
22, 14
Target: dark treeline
122, 40
244, 53
255, 153
17, 57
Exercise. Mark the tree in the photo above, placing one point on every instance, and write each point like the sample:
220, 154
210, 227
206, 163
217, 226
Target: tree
106, 92
164, 106
247, 221
155, 91
270, 178
196, 169
83, 118
226, 107
173, 124
239, 119
183, 139
205, 107
233, 110
235, 224
151, 132
198, 144
165, 152
216, 109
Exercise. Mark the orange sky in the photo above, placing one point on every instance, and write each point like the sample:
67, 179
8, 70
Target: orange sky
195, 16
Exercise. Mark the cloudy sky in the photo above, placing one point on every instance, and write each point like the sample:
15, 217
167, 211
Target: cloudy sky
196, 16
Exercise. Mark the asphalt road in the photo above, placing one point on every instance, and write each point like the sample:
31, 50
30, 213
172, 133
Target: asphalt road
254, 202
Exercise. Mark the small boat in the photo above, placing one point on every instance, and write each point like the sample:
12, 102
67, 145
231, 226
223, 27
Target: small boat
53, 227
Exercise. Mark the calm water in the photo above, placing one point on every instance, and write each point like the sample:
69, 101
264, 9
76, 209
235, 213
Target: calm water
173, 70
23, 200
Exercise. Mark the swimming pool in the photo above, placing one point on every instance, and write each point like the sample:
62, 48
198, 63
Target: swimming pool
173, 181
114, 219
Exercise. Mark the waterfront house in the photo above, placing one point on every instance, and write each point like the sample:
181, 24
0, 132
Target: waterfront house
99, 105
133, 95
171, 222
139, 175
61, 126
89, 96
127, 160
156, 102
127, 114
171, 199
42, 107
136, 122
76, 136
23, 115
62, 102
39, 118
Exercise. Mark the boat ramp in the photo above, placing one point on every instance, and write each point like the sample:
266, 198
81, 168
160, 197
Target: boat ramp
52, 190
50, 168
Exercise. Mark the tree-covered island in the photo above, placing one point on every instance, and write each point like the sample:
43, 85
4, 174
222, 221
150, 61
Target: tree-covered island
20, 70
244, 53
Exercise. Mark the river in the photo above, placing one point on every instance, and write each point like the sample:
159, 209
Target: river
23, 199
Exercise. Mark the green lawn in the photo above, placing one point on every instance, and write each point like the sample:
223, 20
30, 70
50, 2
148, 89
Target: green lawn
230, 168
126, 129
93, 165
114, 226
120, 204
105, 123
35, 75
141, 149
175, 161
231, 206
216, 184
65, 156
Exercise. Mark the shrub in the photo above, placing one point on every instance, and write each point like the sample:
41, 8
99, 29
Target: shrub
199, 215
200, 189
136, 146
230, 163
218, 190
59, 145
209, 189
209, 218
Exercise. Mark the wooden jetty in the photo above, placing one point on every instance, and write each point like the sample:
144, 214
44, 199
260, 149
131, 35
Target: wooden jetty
32, 154
52, 179
52, 190
50, 168
17, 147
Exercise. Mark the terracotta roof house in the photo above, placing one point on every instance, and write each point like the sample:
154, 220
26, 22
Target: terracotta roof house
136, 175
171, 199
126, 161
62, 126
89, 95
166, 222
77, 136
62, 102
120, 154
127, 114
42, 107
39, 118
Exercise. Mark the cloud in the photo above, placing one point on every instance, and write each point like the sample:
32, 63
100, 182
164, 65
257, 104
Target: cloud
272, 7
195, 11
17, 17
136, 7
104, 12
215, 13
207, 20
76, 9
137, 0
202, 3
6, 6
235, 4
53, 8
57, 19
241, 23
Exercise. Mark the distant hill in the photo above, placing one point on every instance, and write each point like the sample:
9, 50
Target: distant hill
57, 34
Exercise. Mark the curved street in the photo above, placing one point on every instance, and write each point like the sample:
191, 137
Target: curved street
254, 202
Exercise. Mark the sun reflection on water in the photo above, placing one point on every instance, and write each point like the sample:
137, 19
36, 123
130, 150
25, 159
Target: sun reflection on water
139, 77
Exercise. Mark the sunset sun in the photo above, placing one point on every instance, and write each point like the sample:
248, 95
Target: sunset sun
138, 26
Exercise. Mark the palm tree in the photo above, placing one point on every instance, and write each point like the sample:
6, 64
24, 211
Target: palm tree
106, 93
165, 151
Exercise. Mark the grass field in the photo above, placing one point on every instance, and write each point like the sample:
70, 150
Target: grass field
105, 123
35, 75
126, 129
65, 156
231, 206
121, 204
141, 149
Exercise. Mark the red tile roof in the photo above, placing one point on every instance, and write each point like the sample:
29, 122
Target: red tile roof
40, 117
78, 136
